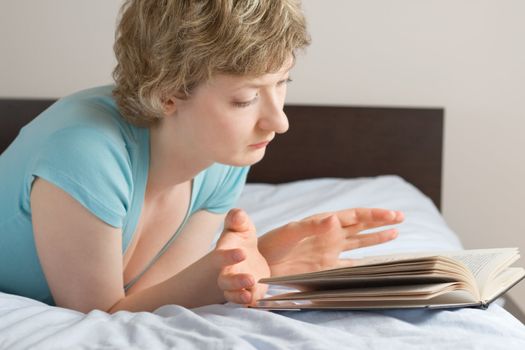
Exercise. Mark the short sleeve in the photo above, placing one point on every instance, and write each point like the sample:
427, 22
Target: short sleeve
92, 167
224, 185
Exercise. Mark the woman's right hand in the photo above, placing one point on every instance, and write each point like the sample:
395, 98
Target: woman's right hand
239, 275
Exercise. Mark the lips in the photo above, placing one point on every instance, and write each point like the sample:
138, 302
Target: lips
263, 143
260, 144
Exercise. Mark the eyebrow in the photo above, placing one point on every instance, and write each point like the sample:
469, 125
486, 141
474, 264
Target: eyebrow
256, 86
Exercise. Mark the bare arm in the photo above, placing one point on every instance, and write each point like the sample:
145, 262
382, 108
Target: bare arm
81, 258
80, 254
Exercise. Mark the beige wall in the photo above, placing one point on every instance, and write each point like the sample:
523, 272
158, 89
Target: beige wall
54, 47
466, 56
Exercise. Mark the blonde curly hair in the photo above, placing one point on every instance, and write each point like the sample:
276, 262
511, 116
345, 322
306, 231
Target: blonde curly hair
164, 47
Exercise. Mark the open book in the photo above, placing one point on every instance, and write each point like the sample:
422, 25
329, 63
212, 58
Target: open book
410, 280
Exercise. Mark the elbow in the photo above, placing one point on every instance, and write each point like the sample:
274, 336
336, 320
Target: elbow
86, 308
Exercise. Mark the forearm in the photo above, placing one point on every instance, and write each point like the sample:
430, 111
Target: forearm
192, 287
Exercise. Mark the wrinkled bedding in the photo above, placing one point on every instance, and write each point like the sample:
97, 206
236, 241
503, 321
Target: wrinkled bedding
25, 323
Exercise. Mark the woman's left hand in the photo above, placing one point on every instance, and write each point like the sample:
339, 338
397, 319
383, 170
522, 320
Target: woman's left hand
315, 243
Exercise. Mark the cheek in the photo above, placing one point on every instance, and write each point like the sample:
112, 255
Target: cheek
231, 131
224, 126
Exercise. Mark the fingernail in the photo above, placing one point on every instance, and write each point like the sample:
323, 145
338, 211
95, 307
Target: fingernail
238, 217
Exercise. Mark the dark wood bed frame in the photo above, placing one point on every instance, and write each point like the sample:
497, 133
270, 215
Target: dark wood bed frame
323, 141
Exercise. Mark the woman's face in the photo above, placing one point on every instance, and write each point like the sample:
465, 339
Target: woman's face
231, 119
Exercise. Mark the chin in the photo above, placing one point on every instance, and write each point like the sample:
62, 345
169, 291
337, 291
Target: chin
246, 159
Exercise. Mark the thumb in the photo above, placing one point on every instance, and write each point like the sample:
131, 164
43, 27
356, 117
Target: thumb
237, 220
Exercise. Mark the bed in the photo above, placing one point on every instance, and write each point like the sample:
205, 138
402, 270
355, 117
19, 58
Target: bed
333, 157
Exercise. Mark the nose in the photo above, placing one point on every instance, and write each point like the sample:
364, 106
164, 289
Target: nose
274, 119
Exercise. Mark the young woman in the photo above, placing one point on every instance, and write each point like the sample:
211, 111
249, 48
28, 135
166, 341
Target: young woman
112, 196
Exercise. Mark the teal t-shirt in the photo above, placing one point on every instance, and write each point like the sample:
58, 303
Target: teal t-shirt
82, 145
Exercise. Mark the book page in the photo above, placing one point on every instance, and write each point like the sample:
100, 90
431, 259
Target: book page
471, 266
379, 261
386, 259
503, 282
410, 292
484, 262
458, 298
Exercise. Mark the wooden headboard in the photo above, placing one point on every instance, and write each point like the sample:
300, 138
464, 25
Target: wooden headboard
324, 141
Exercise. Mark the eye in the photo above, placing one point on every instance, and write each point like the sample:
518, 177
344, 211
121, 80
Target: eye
245, 103
242, 104
285, 81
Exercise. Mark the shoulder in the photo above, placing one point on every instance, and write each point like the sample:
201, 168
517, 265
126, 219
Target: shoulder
83, 132
84, 148
91, 110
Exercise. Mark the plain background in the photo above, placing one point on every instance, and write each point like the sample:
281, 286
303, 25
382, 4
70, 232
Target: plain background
465, 56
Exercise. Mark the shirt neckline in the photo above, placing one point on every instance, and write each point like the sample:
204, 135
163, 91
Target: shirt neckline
140, 169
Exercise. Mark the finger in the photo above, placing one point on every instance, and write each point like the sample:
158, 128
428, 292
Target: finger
369, 217
232, 282
330, 222
227, 257
315, 227
239, 297
238, 220
369, 239
317, 216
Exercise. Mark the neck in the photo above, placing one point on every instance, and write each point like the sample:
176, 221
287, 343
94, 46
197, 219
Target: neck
172, 160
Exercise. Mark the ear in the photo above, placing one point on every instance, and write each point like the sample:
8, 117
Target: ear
169, 106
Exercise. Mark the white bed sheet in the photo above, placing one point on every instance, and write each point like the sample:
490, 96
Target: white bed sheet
25, 323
